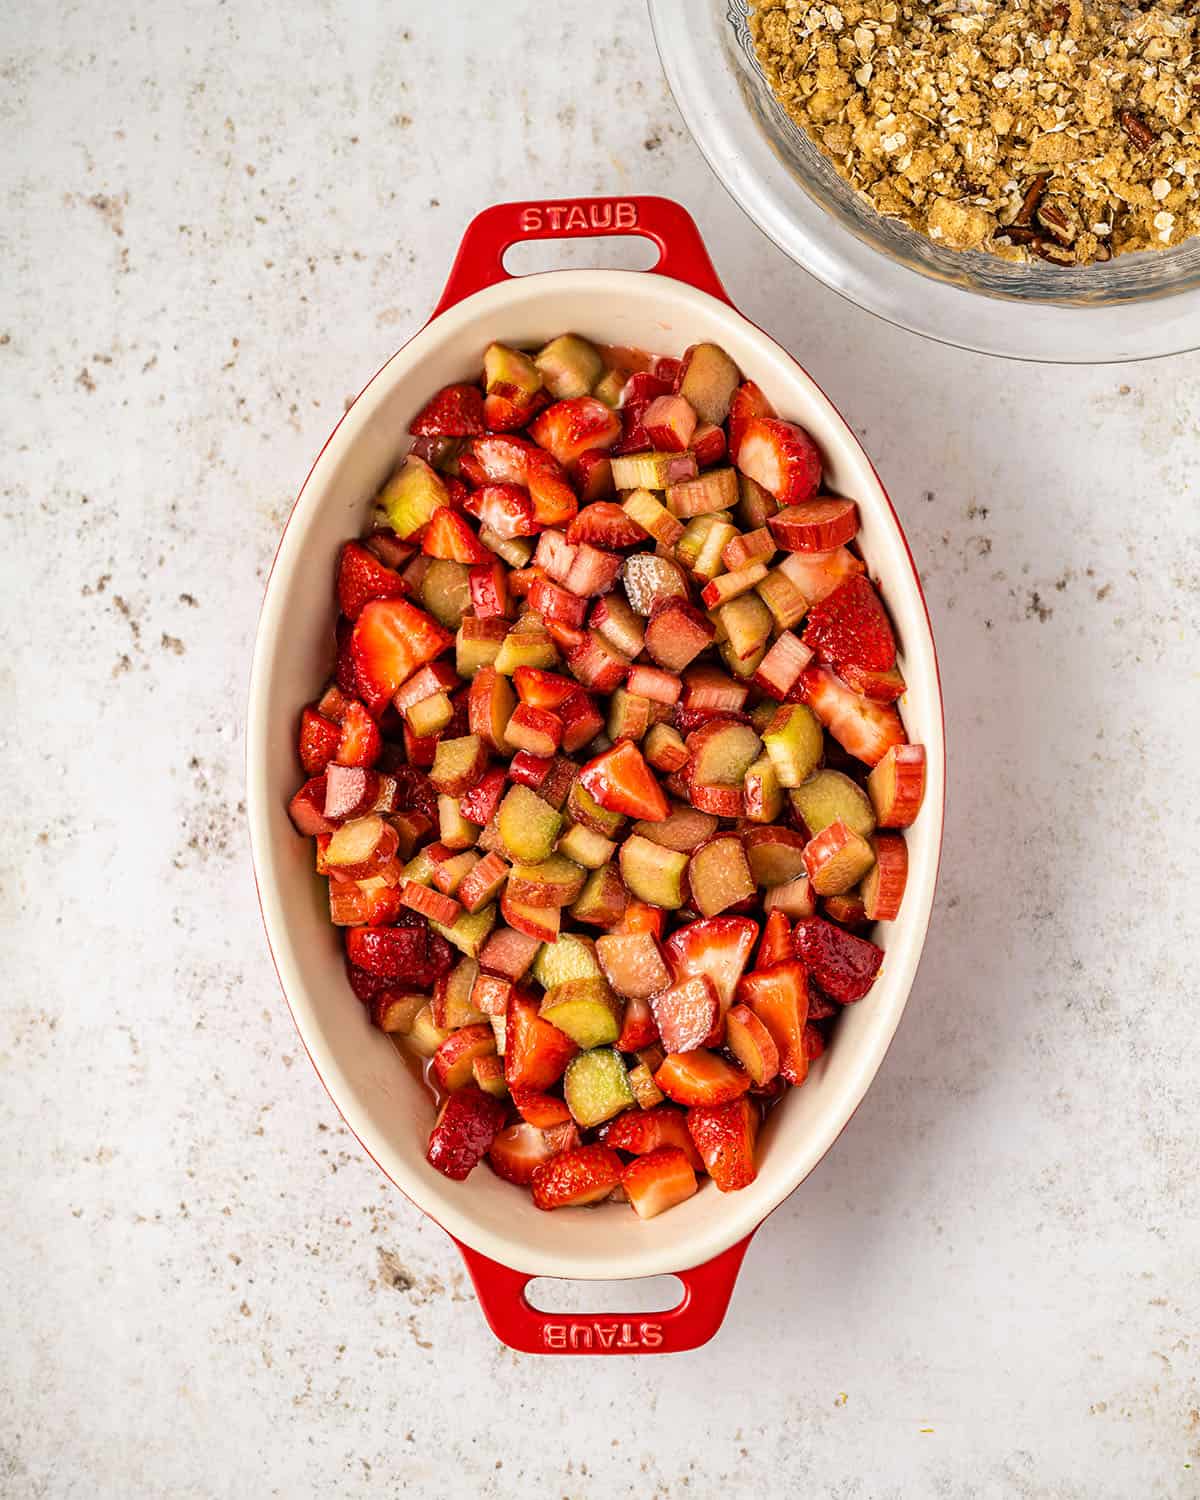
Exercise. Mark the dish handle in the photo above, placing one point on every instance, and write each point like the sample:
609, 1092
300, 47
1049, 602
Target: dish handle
480, 259
691, 1322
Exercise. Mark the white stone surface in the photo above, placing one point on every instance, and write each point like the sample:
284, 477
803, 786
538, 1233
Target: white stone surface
218, 221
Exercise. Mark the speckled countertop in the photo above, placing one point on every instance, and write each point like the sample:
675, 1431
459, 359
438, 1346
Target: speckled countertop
218, 221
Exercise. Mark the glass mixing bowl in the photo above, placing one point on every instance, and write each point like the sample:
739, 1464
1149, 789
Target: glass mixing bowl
1133, 307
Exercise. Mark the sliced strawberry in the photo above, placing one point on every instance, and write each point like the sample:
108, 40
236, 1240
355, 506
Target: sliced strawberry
881, 687
501, 460
776, 946
554, 501
448, 535
708, 445
700, 1077
778, 996
642, 1130
359, 741
466, 1126
621, 781
570, 428
584, 1175
344, 673
637, 1026
318, 742
817, 574
642, 917
658, 1181
843, 965
361, 577
506, 509
456, 411
724, 1135
536, 1053
502, 414
781, 457
592, 472
718, 947
748, 402
851, 627
605, 524
518, 1150
541, 1109
307, 808
595, 663
867, 729
391, 639
452, 1060
543, 689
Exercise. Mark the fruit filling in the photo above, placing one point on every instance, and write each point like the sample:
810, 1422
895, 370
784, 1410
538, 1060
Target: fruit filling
610, 785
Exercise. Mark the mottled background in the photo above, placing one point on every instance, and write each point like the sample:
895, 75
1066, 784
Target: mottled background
218, 220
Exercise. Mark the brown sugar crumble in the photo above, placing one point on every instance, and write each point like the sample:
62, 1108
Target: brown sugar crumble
1067, 130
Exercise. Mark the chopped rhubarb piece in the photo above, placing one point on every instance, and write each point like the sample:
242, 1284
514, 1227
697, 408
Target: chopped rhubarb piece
843, 965
361, 577
458, 764
652, 471
490, 994
391, 639
489, 590
603, 899
664, 749
466, 1126
714, 490
632, 964
536, 1053
411, 496
708, 444
488, 1074
652, 682
883, 885
453, 1003
658, 1181
350, 791
719, 875
819, 525
669, 422
780, 669
883, 687
708, 378
677, 633
478, 644
868, 730
573, 1178
592, 472
687, 1013
644, 916
534, 729
700, 1077
794, 898
621, 781
619, 626
361, 848
555, 881
586, 1009
725, 1135
783, 459
897, 786
827, 796
596, 664
395, 1011
762, 796
653, 518
848, 909
438, 677
794, 742
684, 829
592, 572
518, 1150
569, 366
750, 547
775, 854
555, 603
307, 808
541, 923
651, 581
778, 996
452, 1062
596, 1086
432, 904
837, 859
510, 373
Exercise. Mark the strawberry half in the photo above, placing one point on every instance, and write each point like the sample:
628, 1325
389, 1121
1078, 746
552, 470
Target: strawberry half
843, 965
466, 1126
519, 1150
570, 428
642, 1130
851, 628
718, 947
536, 1053
867, 729
361, 577
724, 1135
700, 1078
448, 535
621, 781
584, 1175
748, 402
501, 414
319, 738
359, 740
456, 411
391, 639
782, 458
658, 1181
605, 524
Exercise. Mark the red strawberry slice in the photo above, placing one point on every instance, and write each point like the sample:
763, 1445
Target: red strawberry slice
449, 536
605, 525
724, 1135
782, 458
505, 509
344, 673
592, 473
817, 574
867, 729
569, 428
359, 741
637, 1025
465, 1128
554, 501
708, 445
501, 414
456, 411
319, 738
391, 639
700, 1078
584, 1175
642, 1130
518, 1150
501, 460
778, 996
535, 1052
658, 1181
307, 808
748, 402
718, 947
621, 781
883, 687
776, 946
851, 628
361, 577
543, 689
843, 965
541, 1109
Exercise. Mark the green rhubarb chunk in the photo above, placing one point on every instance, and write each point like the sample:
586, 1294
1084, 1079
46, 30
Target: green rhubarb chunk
568, 957
420, 868
743, 667
430, 716
529, 647
469, 931
653, 872
586, 847
609, 388
827, 796
510, 373
585, 1009
747, 624
425, 1036
762, 795
515, 550
527, 824
411, 496
709, 562
446, 592
596, 1086
794, 742
642, 471
583, 808
569, 366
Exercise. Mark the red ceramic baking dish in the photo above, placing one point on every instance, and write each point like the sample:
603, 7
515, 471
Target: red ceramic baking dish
505, 1240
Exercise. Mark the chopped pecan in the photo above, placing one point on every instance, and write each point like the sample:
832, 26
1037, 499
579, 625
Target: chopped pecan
1136, 129
1033, 196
